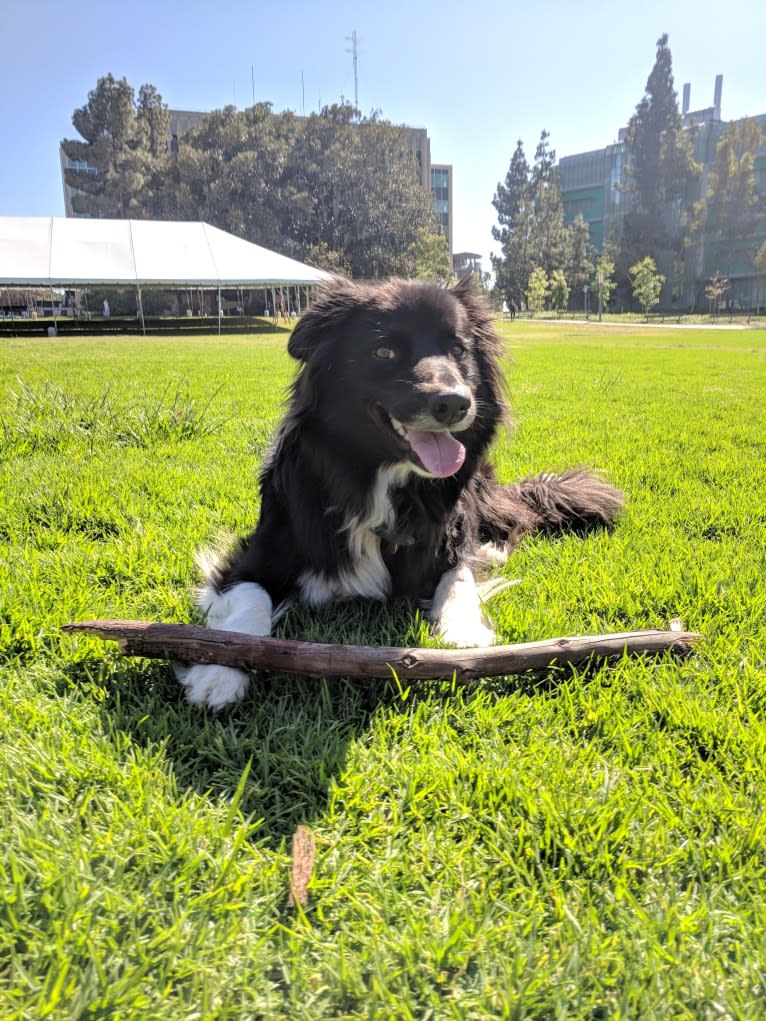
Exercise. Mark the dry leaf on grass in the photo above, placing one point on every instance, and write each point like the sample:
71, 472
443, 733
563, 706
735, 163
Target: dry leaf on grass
304, 854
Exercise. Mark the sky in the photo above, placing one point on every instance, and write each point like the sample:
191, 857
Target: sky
476, 76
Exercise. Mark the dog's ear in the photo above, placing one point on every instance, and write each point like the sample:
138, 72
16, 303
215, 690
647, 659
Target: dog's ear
465, 292
304, 337
332, 305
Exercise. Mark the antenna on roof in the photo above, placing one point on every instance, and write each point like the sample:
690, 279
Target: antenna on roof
353, 40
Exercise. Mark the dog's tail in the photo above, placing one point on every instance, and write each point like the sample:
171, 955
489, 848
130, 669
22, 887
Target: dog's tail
574, 501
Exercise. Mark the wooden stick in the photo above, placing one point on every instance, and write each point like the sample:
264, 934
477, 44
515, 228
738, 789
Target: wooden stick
191, 644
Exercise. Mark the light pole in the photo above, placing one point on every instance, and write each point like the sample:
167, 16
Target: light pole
600, 292
585, 292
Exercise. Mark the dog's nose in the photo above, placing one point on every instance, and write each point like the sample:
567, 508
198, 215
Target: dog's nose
450, 406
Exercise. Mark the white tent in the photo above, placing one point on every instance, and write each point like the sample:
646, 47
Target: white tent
79, 252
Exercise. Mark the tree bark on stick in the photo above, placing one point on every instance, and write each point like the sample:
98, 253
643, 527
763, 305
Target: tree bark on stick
191, 644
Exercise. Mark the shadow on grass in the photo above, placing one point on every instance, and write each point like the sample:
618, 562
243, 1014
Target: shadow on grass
293, 732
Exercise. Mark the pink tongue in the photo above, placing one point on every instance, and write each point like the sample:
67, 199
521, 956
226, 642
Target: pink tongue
440, 453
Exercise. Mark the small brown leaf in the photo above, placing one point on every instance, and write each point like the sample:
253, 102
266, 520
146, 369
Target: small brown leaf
304, 854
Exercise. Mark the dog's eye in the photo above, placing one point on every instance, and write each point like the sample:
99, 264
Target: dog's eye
384, 351
457, 349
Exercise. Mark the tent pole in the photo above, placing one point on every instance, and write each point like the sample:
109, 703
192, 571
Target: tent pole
220, 310
53, 313
141, 311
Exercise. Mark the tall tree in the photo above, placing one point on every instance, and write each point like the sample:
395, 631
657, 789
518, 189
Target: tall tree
579, 265
515, 212
734, 208
119, 150
660, 173
549, 238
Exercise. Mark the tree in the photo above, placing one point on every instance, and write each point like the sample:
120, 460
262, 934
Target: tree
548, 235
123, 144
333, 185
431, 258
537, 289
513, 202
559, 289
579, 266
336, 184
715, 289
661, 172
647, 283
531, 217
733, 207
325, 258
604, 284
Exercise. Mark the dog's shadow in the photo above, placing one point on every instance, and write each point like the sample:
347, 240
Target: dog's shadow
291, 734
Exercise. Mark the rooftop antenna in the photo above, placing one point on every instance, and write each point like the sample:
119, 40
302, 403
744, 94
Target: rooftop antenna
353, 40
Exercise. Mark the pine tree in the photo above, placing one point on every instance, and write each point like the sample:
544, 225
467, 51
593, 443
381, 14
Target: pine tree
549, 238
579, 265
122, 146
515, 211
661, 171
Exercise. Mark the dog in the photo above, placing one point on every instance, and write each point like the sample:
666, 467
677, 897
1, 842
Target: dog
377, 483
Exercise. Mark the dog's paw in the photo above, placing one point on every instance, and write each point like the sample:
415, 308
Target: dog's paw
213, 686
466, 636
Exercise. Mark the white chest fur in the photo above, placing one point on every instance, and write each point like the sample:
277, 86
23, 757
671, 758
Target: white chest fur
367, 574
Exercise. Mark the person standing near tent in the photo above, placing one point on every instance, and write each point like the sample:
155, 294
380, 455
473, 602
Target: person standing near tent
106, 308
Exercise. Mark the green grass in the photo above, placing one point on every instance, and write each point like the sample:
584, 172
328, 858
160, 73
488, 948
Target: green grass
580, 844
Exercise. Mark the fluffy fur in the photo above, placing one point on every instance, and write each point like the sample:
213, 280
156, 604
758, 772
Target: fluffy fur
377, 483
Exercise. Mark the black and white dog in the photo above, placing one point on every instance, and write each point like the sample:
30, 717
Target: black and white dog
377, 483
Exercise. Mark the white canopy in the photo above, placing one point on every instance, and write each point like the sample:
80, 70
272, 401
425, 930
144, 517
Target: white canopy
78, 252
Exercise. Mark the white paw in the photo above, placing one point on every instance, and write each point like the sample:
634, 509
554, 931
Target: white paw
467, 636
214, 686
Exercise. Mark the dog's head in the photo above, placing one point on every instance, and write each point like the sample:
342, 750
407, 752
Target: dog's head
402, 370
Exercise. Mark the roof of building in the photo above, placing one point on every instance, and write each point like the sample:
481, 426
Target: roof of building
62, 252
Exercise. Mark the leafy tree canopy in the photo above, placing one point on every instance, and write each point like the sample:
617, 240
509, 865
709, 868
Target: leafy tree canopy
647, 283
334, 184
431, 258
734, 210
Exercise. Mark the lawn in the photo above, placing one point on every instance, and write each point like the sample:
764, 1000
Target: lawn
581, 844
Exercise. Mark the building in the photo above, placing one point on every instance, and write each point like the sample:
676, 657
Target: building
441, 197
435, 177
590, 185
465, 264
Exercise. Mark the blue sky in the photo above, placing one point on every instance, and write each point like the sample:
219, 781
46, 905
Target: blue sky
477, 76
